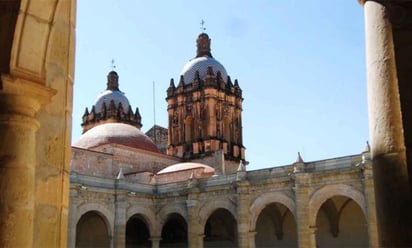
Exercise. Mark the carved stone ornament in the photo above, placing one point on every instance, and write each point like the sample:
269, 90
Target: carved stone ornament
175, 118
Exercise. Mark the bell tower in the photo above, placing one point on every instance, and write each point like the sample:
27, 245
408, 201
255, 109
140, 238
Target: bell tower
205, 109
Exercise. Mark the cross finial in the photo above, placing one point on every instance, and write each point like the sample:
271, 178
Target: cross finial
202, 25
113, 66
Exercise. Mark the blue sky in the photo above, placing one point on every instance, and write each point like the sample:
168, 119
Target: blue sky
300, 64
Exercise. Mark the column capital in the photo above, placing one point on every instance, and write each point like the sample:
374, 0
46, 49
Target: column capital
28, 96
155, 241
398, 12
312, 229
362, 2
155, 238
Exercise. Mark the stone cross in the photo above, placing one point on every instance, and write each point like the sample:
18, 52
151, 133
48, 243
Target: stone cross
113, 66
202, 25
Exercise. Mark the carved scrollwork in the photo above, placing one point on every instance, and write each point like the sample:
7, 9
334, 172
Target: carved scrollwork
175, 119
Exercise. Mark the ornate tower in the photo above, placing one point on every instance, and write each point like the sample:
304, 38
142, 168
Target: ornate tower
205, 109
111, 106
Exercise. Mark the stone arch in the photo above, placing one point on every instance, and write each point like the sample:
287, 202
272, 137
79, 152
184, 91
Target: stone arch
146, 213
105, 213
172, 225
25, 61
208, 208
172, 209
174, 230
220, 228
92, 229
262, 201
329, 191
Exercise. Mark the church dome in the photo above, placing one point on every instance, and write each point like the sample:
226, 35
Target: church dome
112, 93
111, 106
187, 166
107, 96
202, 62
115, 133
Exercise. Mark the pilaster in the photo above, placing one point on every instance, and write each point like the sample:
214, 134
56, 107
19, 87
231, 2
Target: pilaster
71, 229
369, 189
243, 202
195, 232
306, 230
120, 219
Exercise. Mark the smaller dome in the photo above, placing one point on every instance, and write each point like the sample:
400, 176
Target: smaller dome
112, 92
201, 64
107, 96
115, 133
187, 166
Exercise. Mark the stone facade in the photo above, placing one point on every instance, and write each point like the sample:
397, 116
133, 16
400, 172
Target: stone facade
37, 41
315, 199
335, 189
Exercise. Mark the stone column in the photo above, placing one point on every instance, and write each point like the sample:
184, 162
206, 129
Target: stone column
252, 239
155, 241
306, 230
312, 236
385, 128
19, 100
243, 213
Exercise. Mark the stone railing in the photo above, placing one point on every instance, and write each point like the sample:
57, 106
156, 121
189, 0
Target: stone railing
183, 186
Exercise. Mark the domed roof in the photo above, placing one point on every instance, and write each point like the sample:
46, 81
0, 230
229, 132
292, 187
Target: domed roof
107, 96
115, 133
187, 166
112, 92
201, 64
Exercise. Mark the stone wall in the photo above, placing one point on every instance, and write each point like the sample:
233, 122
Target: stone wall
301, 194
108, 161
36, 87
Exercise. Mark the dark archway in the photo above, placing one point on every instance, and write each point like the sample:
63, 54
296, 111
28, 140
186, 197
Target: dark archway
340, 222
8, 17
92, 231
221, 230
276, 227
174, 232
137, 232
